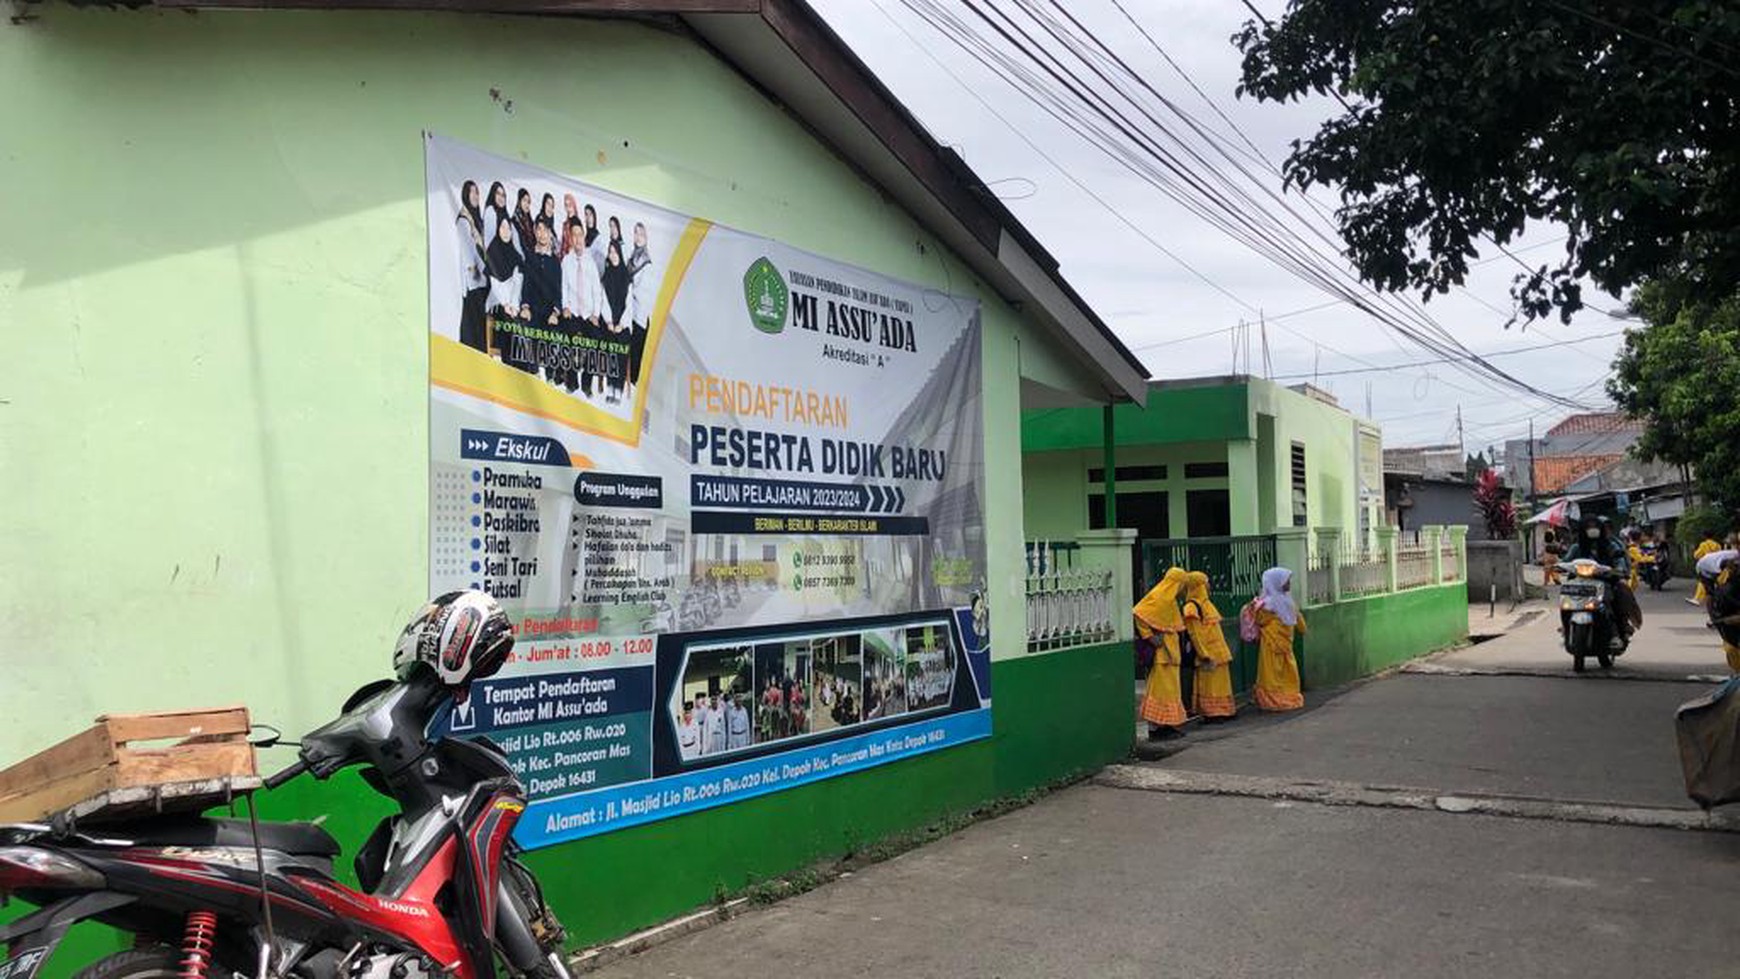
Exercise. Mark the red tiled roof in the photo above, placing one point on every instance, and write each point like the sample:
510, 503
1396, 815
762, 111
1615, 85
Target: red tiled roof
1594, 423
1554, 473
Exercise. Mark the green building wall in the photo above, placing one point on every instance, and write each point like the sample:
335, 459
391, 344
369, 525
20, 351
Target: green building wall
213, 441
1247, 423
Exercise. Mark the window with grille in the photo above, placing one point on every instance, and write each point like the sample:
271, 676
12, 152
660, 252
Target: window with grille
1298, 468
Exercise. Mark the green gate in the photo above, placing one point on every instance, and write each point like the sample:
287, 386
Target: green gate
1235, 567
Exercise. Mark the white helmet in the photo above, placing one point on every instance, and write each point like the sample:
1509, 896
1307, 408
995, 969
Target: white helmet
462, 636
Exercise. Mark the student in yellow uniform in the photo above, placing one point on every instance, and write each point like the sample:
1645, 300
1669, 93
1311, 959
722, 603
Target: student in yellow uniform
1705, 547
1212, 695
1635, 553
1725, 612
1158, 621
1277, 686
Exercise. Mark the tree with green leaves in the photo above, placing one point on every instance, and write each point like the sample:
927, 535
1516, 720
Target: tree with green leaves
1466, 120
1682, 376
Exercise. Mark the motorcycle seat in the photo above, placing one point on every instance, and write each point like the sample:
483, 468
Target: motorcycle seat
301, 839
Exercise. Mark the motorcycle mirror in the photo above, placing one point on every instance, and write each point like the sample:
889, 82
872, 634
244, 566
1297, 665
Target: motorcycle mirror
271, 739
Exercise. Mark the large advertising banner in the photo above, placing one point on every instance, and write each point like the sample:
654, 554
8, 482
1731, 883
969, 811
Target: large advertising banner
729, 492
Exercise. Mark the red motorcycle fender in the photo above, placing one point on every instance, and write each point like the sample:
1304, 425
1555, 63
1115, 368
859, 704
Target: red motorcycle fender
34, 936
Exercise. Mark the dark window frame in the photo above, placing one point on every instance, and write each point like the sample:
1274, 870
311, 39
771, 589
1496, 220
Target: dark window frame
1129, 474
1206, 470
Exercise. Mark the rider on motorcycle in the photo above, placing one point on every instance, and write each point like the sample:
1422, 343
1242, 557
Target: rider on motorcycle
1596, 542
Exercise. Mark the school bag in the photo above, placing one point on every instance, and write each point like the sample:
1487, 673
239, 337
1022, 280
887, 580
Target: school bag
1248, 631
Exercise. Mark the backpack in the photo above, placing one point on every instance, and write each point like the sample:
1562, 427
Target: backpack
1248, 631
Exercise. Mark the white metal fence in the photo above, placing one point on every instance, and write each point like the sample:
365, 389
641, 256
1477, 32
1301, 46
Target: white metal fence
1338, 569
1363, 572
1413, 565
1452, 554
1070, 608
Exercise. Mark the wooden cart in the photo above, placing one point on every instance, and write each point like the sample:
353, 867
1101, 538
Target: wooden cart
135, 764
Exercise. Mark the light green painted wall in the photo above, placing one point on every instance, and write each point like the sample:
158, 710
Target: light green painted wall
1055, 492
213, 436
1361, 636
1057, 486
1060, 446
1328, 433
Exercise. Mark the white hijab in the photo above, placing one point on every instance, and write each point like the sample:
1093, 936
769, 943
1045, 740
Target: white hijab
1276, 600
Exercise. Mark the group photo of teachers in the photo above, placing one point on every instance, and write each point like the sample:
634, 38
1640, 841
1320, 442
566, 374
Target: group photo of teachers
551, 287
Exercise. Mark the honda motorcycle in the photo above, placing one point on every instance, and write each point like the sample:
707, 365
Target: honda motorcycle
1587, 623
442, 893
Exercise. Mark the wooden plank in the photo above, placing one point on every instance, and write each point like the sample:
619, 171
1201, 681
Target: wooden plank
183, 763
45, 799
175, 724
86, 751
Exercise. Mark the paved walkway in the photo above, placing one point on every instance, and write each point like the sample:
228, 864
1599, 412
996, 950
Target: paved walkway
1447, 824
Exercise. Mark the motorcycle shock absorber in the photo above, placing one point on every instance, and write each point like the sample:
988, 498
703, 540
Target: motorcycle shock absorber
196, 944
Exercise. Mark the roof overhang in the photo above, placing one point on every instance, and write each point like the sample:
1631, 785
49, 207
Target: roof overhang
788, 51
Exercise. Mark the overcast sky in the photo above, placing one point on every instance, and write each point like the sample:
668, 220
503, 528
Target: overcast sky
1150, 299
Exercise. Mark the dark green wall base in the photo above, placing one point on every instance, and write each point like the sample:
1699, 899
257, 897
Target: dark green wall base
1361, 636
1054, 715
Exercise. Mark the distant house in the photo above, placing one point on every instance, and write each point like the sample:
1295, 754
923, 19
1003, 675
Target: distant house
1575, 447
1413, 500
1424, 460
1587, 459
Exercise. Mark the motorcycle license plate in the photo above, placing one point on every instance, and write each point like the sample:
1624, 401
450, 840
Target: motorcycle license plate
1579, 618
24, 964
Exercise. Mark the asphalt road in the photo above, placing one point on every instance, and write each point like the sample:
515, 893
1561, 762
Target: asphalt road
1101, 881
1673, 642
1106, 882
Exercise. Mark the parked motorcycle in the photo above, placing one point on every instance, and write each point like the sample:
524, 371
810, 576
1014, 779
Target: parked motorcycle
443, 893
1587, 622
1652, 567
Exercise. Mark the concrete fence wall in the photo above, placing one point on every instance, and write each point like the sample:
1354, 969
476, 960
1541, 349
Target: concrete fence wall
1495, 562
1360, 636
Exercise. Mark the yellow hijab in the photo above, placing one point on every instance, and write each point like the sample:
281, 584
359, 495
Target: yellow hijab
1158, 609
1196, 590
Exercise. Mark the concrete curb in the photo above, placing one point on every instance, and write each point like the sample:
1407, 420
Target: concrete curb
595, 958
1147, 779
1440, 669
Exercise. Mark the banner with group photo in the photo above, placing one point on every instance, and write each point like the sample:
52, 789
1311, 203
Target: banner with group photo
729, 492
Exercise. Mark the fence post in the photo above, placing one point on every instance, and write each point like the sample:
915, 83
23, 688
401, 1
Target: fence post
1294, 553
1433, 536
1109, 550
1459, 540
1387, 537
1329, 548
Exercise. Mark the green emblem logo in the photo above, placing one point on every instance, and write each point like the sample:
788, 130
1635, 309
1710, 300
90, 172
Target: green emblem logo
766, 295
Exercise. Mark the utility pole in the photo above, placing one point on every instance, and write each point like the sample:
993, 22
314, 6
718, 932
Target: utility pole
1531, 493
1268, 366
1461, 449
